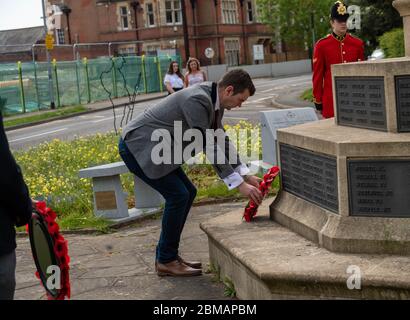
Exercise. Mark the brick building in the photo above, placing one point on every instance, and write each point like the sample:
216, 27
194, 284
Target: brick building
229, 27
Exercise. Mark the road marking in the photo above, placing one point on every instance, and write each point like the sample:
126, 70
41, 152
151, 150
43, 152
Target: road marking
110, 118
38, 135
88, 117
235, 118
268, 90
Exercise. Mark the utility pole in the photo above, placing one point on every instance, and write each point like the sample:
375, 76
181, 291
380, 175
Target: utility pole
50, 79
185, 29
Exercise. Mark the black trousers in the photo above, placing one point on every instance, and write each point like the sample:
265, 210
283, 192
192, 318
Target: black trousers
7, 276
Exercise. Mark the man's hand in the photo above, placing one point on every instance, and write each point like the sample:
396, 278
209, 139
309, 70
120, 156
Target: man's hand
253, 180
251, 192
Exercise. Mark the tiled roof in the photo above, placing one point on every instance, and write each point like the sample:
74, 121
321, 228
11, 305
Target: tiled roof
25, 37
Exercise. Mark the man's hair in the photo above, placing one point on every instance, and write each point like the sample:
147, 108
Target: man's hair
239, 79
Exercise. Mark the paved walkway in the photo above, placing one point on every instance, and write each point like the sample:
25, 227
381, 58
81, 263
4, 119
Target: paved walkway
120, 265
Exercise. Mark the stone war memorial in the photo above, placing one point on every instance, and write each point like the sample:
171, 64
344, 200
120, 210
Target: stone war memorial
340, 225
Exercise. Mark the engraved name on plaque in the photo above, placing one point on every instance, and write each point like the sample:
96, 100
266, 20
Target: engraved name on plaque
360, 102
403, 103
310, 176
379, 188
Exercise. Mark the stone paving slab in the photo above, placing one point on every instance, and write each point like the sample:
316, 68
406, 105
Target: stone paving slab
120, 265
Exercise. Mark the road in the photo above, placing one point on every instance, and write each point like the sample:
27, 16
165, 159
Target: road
103, 121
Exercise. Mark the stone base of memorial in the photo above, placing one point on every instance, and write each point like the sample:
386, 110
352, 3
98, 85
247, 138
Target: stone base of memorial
346, 188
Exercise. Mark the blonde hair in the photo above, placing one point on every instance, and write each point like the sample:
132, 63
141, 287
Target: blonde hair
197, 64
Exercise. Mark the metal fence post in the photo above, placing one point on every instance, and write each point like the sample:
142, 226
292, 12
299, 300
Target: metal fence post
114, 78
78, 82
87, 79
144, 74
22, 98
158, 62
56, 79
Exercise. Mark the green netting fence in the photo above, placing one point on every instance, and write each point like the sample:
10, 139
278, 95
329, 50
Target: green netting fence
25, 86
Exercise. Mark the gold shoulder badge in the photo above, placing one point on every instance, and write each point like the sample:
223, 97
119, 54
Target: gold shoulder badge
341, 9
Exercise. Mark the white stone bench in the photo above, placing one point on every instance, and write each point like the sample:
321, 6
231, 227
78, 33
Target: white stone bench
110, 201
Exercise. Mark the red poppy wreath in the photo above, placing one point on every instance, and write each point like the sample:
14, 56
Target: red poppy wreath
252, 208
44, 219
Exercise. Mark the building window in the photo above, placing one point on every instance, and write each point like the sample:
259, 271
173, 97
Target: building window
152, 50
150, 15
60, 36
249, 11
229, 11
232, 52
124, 18
173, 12
127, 51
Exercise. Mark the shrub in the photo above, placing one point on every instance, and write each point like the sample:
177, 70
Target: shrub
392, 43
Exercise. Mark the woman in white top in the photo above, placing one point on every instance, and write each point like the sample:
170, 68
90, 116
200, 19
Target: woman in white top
174, 80
195, 74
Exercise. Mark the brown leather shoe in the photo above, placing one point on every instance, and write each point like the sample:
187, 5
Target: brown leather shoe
176, 269
192, 264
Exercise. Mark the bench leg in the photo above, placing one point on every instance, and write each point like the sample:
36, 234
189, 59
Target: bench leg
110, 201
145, 196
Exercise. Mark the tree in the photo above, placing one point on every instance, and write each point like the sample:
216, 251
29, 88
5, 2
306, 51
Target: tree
301, 22
377, 17
297, 22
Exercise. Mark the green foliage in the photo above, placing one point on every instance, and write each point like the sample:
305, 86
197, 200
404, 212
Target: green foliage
392, 43
230, 290
377, 17
297, 21
307, 95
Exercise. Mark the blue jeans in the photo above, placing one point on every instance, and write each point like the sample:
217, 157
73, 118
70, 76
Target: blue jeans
179, 194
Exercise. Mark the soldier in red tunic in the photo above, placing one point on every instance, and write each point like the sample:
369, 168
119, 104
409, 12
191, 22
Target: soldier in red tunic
338, 47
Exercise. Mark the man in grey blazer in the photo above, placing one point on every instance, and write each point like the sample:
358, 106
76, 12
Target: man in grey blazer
199, 108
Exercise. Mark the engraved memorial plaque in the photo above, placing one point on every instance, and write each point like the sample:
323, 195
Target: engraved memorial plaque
379, 188
105, 200
403, 103
310, 176
360, 102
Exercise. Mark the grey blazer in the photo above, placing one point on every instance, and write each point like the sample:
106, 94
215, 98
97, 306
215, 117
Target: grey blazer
193, 107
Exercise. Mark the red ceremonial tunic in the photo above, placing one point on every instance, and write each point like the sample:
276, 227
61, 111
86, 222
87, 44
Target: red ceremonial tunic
328, 51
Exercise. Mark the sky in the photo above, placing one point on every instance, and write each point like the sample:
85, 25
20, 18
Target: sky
15, 14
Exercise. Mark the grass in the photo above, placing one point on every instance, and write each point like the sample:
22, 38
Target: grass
230, 290
43, 116
229, 287
307, 95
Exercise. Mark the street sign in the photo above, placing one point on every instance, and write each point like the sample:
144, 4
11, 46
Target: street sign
49, 42
258, 52
209, 53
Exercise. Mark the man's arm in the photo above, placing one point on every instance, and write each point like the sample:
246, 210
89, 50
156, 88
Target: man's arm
197, 111
14, 194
